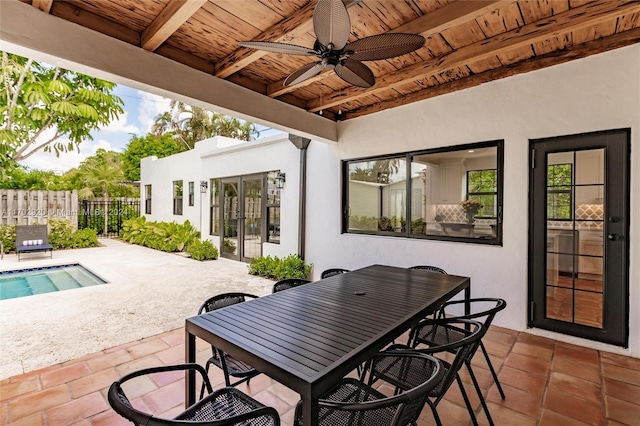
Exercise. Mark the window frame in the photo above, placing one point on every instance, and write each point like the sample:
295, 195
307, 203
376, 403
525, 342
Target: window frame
275, 206
214, 206
147, 199
408, 156
178, 198
192, 194
480, 194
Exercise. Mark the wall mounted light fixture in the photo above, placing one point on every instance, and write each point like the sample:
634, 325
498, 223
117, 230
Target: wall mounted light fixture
203, 186
280, 179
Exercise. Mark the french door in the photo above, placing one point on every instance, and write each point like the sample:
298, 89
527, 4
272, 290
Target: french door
241, 234
579, 249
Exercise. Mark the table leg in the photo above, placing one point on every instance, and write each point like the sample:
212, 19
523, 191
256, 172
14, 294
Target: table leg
467, 297
310, 412
190, 382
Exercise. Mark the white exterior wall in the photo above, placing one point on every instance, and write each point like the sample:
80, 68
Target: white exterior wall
596, 93
221, 157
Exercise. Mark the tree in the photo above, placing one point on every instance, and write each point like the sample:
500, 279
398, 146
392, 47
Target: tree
100, 173
140, 147
20, 177
49, 108
190, 124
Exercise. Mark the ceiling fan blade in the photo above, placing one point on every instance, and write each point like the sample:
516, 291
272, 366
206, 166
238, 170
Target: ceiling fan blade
303, 73
356, 73
383, 46
331, 23
270, 46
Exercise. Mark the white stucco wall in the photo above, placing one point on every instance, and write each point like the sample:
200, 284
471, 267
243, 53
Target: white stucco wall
221, 157
596, 93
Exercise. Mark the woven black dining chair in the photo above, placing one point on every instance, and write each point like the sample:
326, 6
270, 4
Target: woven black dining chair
482, 309
405, 375
352, 402
230, 366
288, 283
223, 407
429, 268
333, 271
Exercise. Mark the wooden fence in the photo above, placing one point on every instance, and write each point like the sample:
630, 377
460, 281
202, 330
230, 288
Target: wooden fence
36, 207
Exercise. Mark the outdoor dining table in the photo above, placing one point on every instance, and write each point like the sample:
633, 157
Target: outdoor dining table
309, 337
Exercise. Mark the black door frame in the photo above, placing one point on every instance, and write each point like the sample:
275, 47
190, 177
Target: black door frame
615, 299
239, 256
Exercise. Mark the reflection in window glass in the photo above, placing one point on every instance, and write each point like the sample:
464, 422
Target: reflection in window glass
177, 197
147, 199
559, 199
454, 193
377, 195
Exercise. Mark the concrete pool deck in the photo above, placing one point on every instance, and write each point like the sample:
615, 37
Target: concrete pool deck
148, 293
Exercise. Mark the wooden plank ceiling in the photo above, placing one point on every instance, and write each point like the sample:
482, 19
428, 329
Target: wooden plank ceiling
468, 42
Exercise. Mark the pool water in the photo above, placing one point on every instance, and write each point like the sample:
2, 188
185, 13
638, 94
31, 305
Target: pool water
27, 282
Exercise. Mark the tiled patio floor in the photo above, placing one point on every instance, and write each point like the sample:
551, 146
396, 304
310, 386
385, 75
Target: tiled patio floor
546, 382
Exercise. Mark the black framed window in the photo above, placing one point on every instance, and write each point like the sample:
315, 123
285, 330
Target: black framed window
192, 194
177, 197
147, 199
214, 210
452, 194
482, 186
273, 208
559, 194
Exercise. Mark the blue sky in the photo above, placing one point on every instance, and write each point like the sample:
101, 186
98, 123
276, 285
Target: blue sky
140, 110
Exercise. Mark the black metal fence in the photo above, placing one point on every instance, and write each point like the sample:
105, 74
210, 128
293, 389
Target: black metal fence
92, 214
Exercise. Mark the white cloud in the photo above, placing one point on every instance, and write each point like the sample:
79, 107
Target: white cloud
67, 160
120, 126
150, 106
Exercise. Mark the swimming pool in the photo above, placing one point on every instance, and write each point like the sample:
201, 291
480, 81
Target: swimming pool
27, 282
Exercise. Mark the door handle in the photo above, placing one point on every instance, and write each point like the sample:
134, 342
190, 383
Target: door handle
613, 237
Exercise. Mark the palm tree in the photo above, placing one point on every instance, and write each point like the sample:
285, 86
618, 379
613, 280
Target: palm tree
101, 174
190, 124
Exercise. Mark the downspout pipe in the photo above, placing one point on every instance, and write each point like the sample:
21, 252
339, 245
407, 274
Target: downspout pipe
302, 144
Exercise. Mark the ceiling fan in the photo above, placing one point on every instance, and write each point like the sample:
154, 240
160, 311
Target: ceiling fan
332, 27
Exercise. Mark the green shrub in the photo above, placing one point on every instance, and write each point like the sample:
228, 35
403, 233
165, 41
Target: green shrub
8, 237
84, 238
164, 236
202, 250
60, 233
228, 246
273, 267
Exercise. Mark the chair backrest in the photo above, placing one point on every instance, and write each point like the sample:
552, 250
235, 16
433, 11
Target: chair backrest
429, 268
224, 299
31, 232
462, 348
333, 271
483, 309
288, 283
121, 404
406, 407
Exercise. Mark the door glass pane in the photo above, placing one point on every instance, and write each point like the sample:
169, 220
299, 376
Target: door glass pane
252, 191
230, 218
575, 232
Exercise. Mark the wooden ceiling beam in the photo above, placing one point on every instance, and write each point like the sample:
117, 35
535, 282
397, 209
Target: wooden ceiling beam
575, 19
579, 51
43, 5
282, 32
285, 31
168, 21
427, 25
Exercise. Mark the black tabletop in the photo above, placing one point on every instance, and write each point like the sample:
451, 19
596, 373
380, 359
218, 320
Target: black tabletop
310, 336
